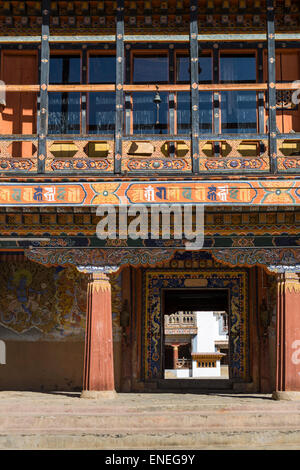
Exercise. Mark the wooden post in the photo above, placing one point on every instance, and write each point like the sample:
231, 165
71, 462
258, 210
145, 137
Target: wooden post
194, 67
84, 96
288, 337
44, 82
98, 374
261, 94
216, 99
272, 85
175, 355
119, 85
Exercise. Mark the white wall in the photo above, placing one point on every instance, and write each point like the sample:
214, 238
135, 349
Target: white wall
208, 325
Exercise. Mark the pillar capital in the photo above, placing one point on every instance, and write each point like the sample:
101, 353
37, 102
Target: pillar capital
285, 269
291, 281
98, 271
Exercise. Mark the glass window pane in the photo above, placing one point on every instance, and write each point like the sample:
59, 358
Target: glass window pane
64, 69
183, 69
150, 69
183, 112
238, 110
205, 112
238, 68
64, 108
148, 118
102, 69
101, 113
205, 69
64, 113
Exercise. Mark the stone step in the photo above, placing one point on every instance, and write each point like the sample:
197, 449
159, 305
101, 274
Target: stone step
143, 420
148, 421
194, 384
154, 440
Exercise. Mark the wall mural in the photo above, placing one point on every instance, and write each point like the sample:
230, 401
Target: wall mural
50, 301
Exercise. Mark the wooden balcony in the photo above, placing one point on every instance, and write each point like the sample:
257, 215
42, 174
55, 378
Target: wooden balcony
130, 154
181, 323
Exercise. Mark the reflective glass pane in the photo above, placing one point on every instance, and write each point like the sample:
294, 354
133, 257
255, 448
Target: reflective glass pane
183, 69
102, 69
64, 113
101, 117
238, 68
148, 117
205, 112
150, 69
64, 69
64, 108
183, 112
238, 110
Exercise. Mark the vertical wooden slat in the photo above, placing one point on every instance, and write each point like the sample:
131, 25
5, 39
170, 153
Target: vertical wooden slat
44, 82
272, 85
194, 67
119, 85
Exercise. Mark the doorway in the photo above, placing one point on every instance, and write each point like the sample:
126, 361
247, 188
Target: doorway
195, 334
158, 281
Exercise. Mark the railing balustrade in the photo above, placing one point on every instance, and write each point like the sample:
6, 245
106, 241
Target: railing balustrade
147, 144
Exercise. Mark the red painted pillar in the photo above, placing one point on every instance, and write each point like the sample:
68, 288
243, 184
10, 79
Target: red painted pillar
288, 337
175, 355
98, 376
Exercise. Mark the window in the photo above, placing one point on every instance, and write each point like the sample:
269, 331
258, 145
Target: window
102, 105
102, 69
183, 68
238, 108
150, 116
64, 108
184, 99
150, 69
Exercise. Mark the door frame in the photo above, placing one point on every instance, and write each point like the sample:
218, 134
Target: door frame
236, 281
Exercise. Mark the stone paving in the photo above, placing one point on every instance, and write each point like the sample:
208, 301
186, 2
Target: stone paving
30, 420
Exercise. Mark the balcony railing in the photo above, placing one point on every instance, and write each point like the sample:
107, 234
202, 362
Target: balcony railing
169, 150
183, 322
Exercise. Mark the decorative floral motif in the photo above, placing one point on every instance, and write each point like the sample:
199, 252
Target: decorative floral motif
106, 193
278, 192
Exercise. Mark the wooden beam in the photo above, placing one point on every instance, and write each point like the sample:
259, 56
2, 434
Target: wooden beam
194, 68
84, 88
44, 82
